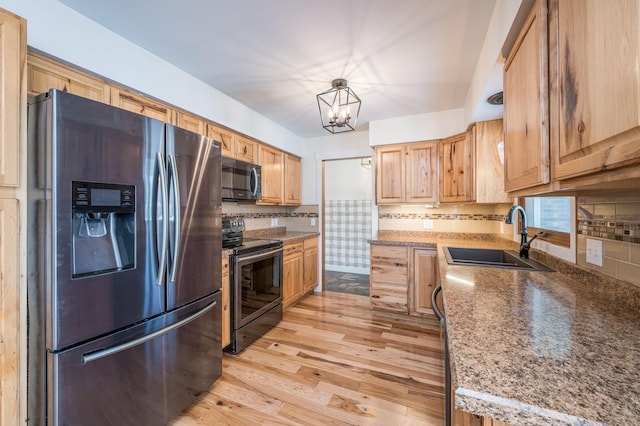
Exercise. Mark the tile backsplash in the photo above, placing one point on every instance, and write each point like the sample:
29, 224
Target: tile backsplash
464, 218
295, 218
615, 220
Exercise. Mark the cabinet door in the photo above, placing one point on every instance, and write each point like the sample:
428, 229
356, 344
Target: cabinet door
292, 180
425, 280
226, 302
526, 112
246, 150
310, 264
272, 163
13, 54
489, 168
595, 85
292, 273
226, 138
422, 172
44, 74
10, 312
140, 104
390, 174
456, 168
389, 278
189, 122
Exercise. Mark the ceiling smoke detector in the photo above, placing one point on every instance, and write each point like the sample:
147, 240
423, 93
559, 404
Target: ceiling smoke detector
495, 99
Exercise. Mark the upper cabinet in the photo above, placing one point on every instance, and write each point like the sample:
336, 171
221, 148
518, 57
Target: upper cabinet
489, 152
594, 68
189, 122
407, 173
526, 111
572, 96
271, 161
292, 182
140, 104
44, 74
246, 150
226, 137
456, 169
13, 54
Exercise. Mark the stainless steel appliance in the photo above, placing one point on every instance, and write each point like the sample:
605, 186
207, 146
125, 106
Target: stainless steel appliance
124, 265
241, 181
256, 277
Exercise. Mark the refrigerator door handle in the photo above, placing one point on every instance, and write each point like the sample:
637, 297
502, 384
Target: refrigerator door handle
162, 264
176, 203
94, 356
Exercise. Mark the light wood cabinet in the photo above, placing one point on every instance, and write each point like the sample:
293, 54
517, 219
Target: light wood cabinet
272, 163
310, 264
526, 109
489, 168
246, 149
226, 137
189, 122
425, 280
457, 169
292, 270
226, 300
389, 277
44, 74
407, 173
594, 63
140, 104
13, 67
292, 181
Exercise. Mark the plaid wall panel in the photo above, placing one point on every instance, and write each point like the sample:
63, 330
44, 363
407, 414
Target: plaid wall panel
347, 229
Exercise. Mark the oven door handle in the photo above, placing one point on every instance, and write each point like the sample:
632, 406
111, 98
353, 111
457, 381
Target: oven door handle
261, 255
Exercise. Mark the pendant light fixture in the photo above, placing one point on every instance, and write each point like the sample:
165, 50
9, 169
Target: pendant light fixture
339, 107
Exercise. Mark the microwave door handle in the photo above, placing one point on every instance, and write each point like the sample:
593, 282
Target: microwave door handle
176, 203
254, 181
164, 212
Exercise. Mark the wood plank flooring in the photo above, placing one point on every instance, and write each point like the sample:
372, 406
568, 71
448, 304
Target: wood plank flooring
331, 361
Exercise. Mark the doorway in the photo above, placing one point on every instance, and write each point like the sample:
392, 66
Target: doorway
347, 199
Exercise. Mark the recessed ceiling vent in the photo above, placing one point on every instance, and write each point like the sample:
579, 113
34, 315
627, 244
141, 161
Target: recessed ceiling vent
495, 99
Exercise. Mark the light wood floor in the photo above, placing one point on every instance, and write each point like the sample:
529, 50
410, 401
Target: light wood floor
331, 361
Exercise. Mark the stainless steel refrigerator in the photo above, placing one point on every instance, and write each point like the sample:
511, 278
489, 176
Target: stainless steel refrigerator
124, 255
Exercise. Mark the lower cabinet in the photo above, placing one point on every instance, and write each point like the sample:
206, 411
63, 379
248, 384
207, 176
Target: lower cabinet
292, 269
226, 300
299, 270
310, 264
403, 278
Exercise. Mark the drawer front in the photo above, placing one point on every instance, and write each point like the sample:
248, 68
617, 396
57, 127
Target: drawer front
310, 243
389, 297
292, 248
389, 265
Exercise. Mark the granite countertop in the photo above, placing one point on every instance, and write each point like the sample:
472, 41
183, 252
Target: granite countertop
280, 233
539, 348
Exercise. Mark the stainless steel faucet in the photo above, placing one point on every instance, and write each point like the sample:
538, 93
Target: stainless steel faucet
524, 244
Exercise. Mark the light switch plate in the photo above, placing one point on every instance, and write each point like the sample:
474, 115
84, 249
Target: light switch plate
313, 221
274, 221
595, 252
427, 224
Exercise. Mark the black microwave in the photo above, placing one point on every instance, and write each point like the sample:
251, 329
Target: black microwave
241, 181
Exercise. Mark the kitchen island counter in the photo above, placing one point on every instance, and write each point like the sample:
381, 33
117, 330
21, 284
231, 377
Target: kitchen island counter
538, 348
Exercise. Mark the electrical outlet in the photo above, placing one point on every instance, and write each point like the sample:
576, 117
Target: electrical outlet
274, 221
595, 252
313, 221
427, 224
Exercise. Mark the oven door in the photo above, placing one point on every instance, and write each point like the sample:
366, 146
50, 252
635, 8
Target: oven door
257, 279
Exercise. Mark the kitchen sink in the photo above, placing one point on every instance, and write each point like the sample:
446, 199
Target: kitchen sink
492, 258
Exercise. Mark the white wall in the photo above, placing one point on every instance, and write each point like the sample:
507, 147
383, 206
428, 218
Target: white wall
419, 127
63, 33
347, 180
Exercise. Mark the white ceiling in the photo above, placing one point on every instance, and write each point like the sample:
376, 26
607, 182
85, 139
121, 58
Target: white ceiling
401, 57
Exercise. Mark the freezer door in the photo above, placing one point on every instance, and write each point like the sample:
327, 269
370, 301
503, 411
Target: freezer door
195, 208
112, 282
145, 375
